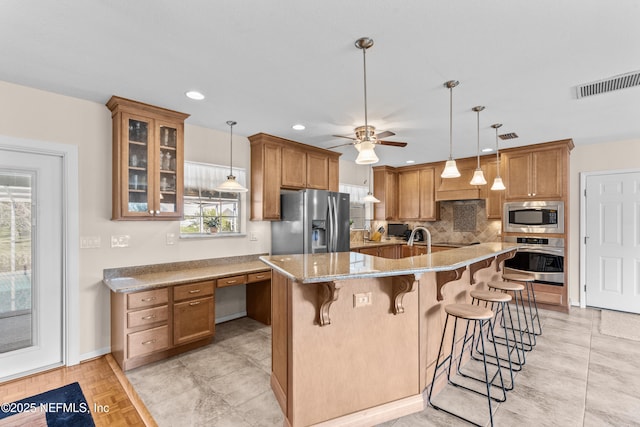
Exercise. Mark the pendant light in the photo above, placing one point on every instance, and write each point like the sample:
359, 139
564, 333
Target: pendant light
370, 198
497, 182
366, 153
231, 185
478, 175
450, 168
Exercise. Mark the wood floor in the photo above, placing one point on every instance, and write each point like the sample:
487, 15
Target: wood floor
112, 400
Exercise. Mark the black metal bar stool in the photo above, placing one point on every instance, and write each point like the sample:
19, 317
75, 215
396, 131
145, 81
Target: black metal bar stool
498, 302
483, 317
527, 280
522, 330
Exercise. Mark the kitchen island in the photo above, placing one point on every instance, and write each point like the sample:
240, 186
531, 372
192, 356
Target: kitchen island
355, 337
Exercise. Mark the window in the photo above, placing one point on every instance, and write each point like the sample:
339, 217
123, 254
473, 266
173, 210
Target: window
360, 213
205, 208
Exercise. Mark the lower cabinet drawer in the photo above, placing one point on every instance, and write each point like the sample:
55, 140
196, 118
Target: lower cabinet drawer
149, 341
232, 281
147, 298
258, 277
148, 316
193, 290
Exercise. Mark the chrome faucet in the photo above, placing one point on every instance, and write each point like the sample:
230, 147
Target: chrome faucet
413, 234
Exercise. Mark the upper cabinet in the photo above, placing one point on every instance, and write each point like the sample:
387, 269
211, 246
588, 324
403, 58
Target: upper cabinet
385, 189
147, 161
416, 194
537, 172
278, 163
494, 198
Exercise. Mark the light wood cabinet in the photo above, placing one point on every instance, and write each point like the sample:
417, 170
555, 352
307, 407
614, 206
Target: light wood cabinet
317, 171
391, 251
140, 326
334, 174
385, 189
494, 198
280, 163
193, 312
416, 195
147, 161
294, 168
537, 173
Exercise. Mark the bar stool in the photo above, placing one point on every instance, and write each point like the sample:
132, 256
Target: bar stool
516, 289
499, 303
527, 280
482, 317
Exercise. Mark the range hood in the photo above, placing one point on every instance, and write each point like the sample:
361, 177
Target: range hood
458, 188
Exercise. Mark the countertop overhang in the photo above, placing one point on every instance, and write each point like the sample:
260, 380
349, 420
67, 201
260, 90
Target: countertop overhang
318, 268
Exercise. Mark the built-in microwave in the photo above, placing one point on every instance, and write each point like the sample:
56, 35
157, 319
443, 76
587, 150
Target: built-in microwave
534, 217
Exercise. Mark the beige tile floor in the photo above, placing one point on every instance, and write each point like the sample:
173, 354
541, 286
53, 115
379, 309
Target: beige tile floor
574, 377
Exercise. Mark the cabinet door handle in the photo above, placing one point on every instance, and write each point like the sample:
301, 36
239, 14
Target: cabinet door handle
194, 291
148, 299
157, 212
259, 276
231, 281
194, 303
148, 342
153, 316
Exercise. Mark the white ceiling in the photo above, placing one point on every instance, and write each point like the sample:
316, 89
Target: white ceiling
271, 63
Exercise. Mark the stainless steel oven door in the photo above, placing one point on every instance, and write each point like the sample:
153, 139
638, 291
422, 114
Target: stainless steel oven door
545, 263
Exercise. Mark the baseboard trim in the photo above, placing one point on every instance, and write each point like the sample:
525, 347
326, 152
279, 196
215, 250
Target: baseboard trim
233, 316
137, 403
94, 354
378, 414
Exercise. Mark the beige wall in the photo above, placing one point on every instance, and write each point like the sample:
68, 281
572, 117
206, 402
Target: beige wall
610, 156
34, 114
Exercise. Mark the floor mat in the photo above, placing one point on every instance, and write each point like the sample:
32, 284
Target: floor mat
63, 407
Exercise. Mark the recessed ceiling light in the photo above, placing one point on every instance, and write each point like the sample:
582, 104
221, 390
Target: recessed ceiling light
298, 127
410, 161
487, 150
194, 94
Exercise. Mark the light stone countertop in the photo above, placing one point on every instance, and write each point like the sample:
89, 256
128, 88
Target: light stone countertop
316, 268
159, 279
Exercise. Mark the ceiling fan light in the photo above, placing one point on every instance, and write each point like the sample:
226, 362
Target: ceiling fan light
498, 184
367, 155
450, 170
370, 198
478, 178
231, 186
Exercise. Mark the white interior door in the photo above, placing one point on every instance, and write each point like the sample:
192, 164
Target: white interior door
31, 262
612, 245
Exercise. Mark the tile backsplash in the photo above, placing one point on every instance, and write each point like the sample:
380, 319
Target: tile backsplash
463, 221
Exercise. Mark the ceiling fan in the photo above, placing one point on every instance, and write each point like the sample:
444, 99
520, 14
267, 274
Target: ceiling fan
365, 137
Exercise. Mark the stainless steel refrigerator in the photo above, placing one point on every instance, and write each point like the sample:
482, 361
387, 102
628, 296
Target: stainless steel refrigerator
312, 221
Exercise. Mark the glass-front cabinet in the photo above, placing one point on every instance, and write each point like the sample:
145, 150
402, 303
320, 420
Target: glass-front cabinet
147, 161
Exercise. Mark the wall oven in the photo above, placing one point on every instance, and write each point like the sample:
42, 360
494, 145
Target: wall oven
534, 217
541, 256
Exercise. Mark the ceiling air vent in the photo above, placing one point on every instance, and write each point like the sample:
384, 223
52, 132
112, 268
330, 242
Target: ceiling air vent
511, 135
622, 81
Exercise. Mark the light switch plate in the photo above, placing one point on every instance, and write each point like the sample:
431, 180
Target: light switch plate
89, 242
121, 241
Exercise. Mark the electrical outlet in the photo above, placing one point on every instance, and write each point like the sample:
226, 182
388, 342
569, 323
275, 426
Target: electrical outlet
253, 236
171, 238
361, 300
121, 241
